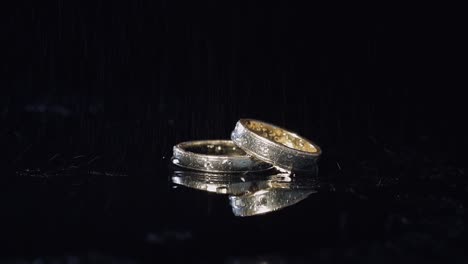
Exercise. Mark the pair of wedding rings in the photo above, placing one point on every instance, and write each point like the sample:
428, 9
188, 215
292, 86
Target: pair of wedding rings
254, 146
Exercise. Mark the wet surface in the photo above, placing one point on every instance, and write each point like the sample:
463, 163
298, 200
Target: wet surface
93, 98
82, 201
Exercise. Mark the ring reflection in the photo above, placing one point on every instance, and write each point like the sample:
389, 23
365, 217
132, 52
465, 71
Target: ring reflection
252, 194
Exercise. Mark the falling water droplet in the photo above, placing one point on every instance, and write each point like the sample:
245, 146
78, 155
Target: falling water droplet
222, 189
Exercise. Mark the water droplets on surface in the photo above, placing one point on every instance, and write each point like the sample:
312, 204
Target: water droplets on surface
175, 161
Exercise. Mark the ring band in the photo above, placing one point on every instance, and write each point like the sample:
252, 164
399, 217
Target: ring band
275, 145
215, 156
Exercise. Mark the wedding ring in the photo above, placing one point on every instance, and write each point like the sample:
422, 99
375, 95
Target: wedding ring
215, 156
275, 145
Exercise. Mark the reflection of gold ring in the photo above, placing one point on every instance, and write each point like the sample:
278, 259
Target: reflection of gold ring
215, 156
275, 145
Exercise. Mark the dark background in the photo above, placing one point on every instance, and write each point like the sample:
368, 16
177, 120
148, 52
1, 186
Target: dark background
109, 88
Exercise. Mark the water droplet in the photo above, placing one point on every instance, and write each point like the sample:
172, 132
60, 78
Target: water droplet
208, 165
219, 148
175, 161
263, 201
210, 146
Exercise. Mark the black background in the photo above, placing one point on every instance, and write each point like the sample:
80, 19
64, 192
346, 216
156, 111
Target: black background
111, 87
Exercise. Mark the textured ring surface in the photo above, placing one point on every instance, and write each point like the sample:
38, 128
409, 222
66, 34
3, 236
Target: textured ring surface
275, 145
215, 156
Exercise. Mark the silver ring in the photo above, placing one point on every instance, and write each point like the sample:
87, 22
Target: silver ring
275, 145
215, 156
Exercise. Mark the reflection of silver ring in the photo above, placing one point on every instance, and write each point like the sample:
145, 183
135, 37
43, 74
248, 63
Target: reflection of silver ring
219, 183
275, 145
215, 156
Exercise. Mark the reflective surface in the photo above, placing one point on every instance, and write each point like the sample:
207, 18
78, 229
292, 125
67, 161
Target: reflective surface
94, 96
252, 194
287, 151
280, 135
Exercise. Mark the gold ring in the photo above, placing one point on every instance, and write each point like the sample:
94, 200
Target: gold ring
215, 156
275, 145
